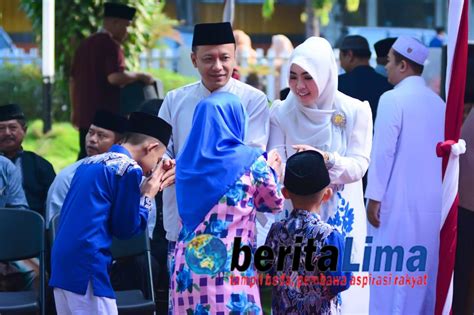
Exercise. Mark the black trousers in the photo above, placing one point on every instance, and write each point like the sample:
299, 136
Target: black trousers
82, 143
463, 295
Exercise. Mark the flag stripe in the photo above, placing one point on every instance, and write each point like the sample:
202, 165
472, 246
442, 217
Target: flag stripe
455, 83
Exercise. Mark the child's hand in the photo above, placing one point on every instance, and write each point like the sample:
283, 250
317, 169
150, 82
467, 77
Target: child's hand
151, 185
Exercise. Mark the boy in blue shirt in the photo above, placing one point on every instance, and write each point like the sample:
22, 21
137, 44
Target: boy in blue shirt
300, 287
105, 200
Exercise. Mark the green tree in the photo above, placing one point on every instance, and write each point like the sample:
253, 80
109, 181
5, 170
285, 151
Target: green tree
77, 19
316, 12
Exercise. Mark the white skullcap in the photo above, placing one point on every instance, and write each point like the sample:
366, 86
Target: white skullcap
411, 48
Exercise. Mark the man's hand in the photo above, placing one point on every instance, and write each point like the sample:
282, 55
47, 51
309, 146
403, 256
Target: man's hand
151, 184
146, 78
274, 160
167, 173
373, 212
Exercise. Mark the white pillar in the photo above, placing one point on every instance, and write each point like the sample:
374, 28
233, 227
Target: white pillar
48, 39
372, 12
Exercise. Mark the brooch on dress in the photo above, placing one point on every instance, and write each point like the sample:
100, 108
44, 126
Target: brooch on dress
339, 119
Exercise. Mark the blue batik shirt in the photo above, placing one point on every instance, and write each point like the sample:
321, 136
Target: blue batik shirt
301, 291
104, 201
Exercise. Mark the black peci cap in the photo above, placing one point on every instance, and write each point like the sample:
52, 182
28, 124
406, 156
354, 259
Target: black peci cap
11, 111
355, 42
306, 173
382, 47
213, 34
110, 121
150, 125
118, 10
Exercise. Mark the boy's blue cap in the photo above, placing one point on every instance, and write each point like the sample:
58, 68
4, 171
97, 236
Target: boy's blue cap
306, 173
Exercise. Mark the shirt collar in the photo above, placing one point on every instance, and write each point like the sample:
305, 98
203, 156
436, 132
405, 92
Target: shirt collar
411, 80
225, 88
120, 149
301, 213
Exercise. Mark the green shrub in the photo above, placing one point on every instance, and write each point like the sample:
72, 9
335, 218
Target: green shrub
170, 79
22, 84
60, 146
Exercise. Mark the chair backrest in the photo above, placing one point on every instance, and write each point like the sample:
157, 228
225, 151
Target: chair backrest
139, 244
53, 228
21, 234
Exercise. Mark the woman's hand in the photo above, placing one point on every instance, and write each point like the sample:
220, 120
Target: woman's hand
274, 160
167, 173
305, 147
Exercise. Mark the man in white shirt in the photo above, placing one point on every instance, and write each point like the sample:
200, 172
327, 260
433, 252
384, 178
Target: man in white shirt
404, 185
213, 54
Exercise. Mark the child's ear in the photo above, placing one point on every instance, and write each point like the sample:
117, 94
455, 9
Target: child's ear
151, 146
285, 193
327, 194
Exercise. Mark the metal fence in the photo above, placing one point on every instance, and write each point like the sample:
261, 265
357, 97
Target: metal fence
264, 68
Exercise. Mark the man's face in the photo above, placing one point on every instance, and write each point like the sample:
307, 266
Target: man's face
393, 73
99, 140
215, 64
11, 135
344, 60
120, 30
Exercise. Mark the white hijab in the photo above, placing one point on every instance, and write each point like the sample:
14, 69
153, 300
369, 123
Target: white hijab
312, 124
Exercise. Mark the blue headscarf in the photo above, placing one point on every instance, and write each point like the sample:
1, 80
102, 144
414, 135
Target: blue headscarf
213, 158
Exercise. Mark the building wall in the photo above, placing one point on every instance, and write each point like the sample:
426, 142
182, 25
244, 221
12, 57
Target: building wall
15, 22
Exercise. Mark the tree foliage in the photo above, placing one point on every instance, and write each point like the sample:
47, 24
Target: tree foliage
77, 19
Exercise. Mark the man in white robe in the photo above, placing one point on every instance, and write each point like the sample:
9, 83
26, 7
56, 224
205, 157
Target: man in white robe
214, 56
404, 185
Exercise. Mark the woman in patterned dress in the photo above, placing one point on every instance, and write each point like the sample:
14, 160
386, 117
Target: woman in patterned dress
316, 115
220, 184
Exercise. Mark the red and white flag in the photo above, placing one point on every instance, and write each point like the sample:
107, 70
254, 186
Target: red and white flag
451, 148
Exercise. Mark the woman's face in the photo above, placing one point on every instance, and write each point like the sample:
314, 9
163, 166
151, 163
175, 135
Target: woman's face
303, 85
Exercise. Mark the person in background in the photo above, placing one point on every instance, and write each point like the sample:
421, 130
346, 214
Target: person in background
360, 80
106, 130
463, 296
439, 39
36, 173
404, 186
98, 70
382, 47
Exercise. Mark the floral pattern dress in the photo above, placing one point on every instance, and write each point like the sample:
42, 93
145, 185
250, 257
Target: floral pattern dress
200, 268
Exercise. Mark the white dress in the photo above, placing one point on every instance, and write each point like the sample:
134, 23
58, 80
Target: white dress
405, 176
350, 143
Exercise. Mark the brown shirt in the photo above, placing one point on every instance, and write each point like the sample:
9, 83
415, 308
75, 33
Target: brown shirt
97, 56
466, 165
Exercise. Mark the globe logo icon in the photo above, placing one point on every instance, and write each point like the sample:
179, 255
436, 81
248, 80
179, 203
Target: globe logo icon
206, 254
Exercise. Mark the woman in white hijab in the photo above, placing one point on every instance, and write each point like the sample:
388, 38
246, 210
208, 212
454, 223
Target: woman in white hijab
316, 115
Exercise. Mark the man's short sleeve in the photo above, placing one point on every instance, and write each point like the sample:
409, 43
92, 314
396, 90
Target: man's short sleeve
115, 59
